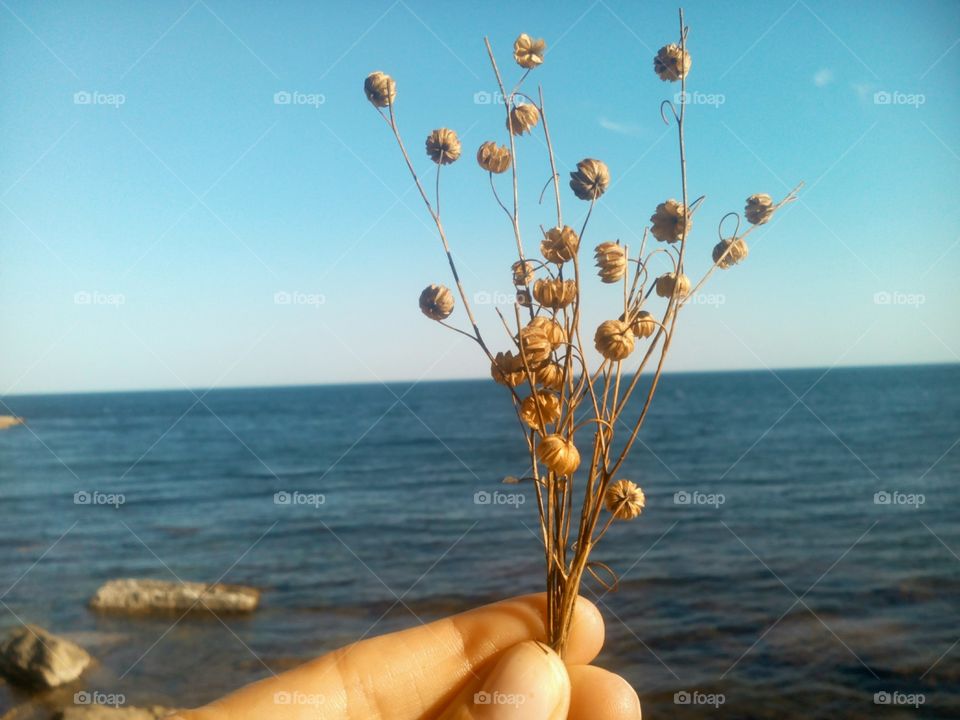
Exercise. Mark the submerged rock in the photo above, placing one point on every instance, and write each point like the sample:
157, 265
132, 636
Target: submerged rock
138, 596
33, 657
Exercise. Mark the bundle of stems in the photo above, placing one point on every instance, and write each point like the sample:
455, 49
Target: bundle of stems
559, 392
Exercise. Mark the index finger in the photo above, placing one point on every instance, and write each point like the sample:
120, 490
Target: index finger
408, 674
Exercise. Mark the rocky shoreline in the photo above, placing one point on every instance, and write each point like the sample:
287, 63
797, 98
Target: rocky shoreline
47, 668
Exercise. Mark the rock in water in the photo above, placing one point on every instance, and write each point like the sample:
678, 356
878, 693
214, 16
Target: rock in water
137, 596
104, 712
31, 656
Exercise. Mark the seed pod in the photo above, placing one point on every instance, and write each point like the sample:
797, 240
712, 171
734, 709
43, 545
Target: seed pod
549, 409
523, 118
436, 302
614, 339
759, 209
671, 63
535, 346
550, 376
507, 369
523, 298
523, 271
559, 455
643, 325
528, 52
443, 146
380, 89
493, 158
560, 244
624, 500
590, 179
612, 261
554, 330
555, 294
668, 285
735, 249
671, 222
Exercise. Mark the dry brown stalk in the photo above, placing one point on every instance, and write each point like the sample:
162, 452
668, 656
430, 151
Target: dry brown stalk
546, 355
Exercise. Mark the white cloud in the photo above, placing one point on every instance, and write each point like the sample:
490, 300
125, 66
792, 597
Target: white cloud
864, 91
823, 77
620, 127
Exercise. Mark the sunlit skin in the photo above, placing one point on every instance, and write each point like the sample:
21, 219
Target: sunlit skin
446, 670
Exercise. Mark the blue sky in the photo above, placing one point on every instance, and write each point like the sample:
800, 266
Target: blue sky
148, 223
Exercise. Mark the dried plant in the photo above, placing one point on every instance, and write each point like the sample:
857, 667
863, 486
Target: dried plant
559, 397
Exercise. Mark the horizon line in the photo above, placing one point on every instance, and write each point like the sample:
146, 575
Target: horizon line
463, 379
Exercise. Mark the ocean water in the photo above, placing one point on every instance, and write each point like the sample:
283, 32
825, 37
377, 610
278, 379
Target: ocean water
799, 552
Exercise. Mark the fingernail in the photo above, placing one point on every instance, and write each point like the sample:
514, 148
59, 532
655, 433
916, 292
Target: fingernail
529, 683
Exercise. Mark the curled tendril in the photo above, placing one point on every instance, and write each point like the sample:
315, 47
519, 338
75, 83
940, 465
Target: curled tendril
608, 586
598, 421
723, 219
672, 110
665, 252
544, 191
695, 205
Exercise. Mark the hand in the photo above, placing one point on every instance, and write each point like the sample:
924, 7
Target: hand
484, 664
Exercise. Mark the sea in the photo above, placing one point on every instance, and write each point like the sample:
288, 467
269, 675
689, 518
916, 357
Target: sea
798, 555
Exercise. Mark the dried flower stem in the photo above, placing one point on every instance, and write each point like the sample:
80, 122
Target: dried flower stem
566, 394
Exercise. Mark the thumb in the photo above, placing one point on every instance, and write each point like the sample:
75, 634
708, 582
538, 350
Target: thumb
527, 682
